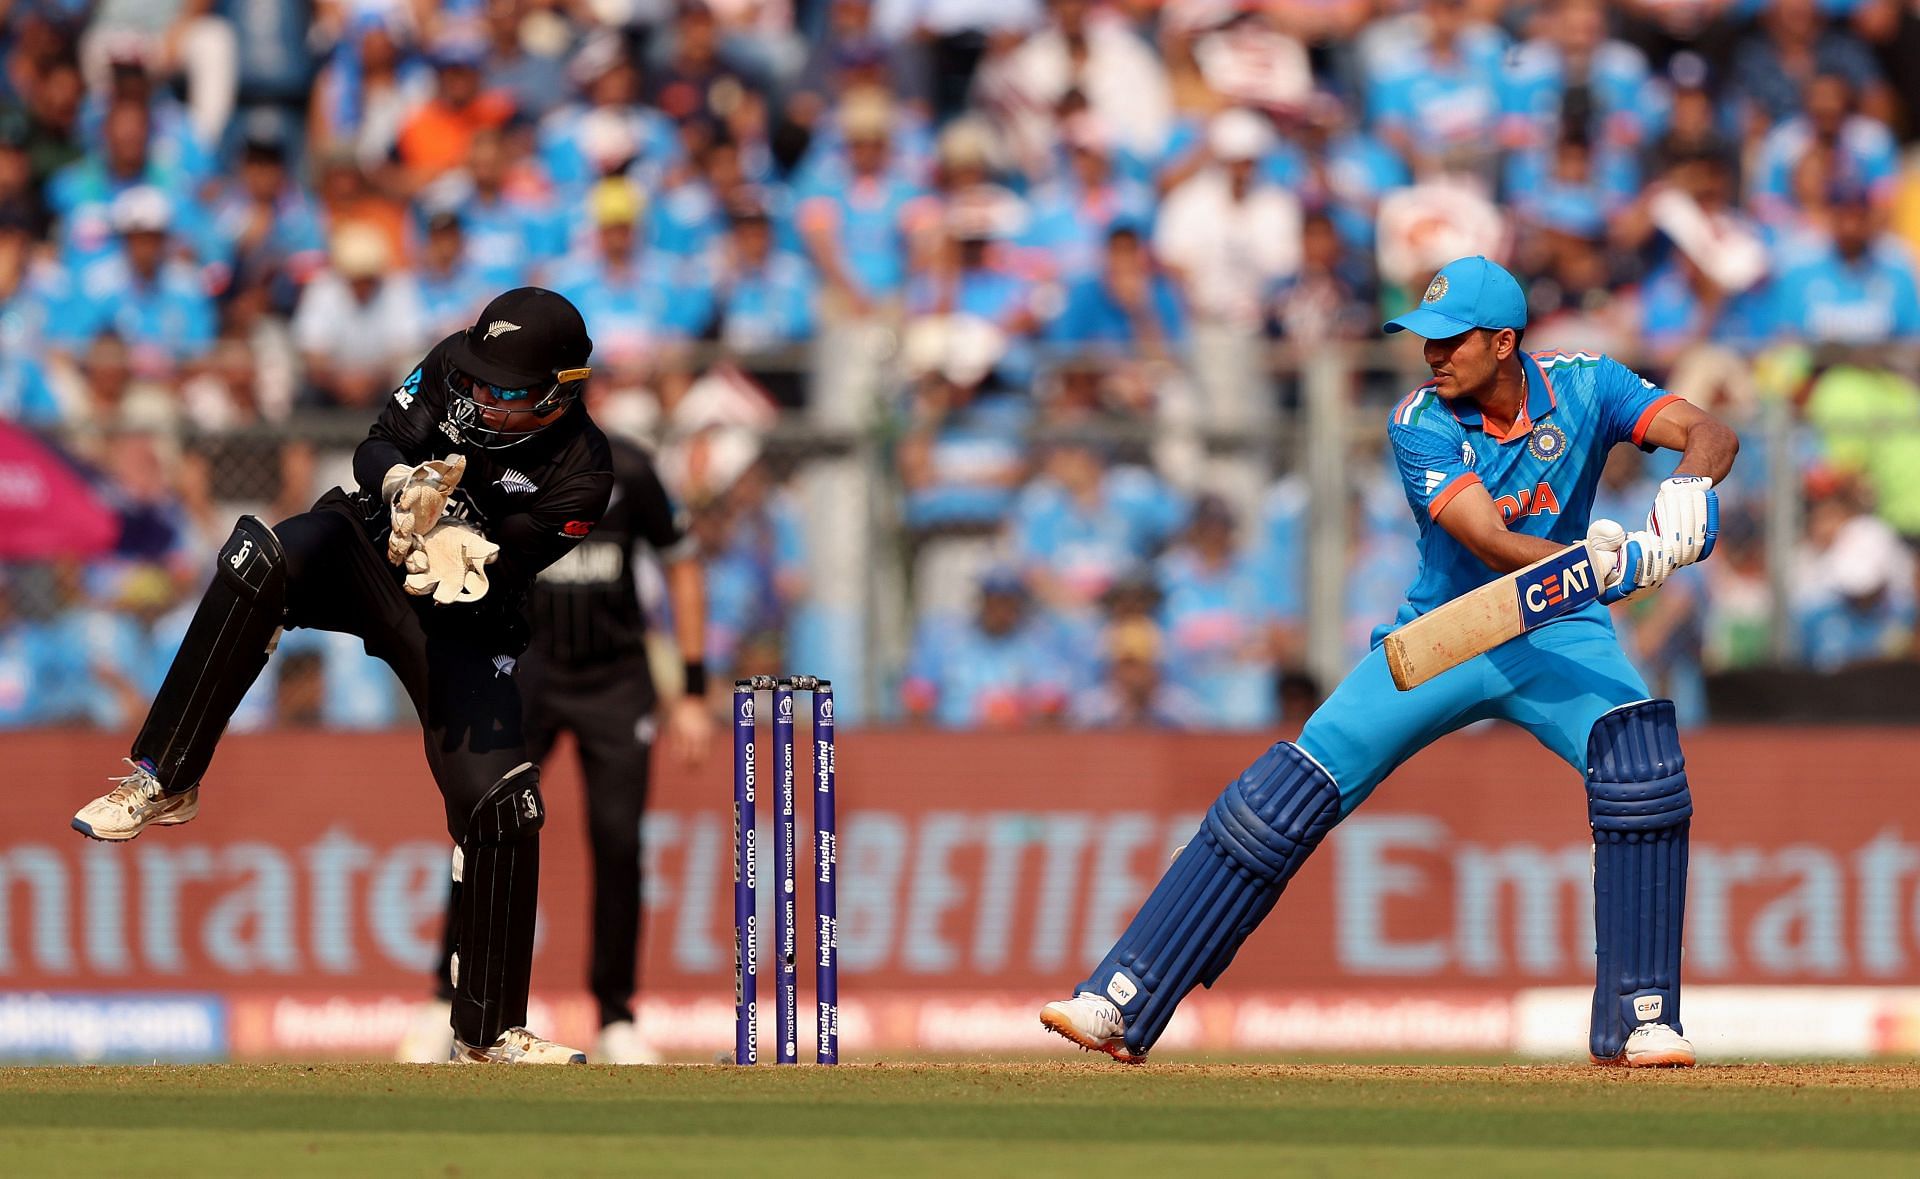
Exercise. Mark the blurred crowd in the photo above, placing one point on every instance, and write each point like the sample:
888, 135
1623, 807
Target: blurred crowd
1059, 243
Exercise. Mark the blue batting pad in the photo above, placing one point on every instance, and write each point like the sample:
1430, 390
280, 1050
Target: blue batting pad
1253, 839
1639, 806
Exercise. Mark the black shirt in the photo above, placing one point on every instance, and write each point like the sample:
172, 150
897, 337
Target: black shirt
585, 609
536, 499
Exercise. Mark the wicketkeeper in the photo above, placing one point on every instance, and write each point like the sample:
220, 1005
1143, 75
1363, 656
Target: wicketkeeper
483, 469
1499, 454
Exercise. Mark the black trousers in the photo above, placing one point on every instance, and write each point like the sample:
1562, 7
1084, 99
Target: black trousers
609, 710
469, 709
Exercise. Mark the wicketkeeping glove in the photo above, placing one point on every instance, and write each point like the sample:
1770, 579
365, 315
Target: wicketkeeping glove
450, 563
1686, 511
416, 496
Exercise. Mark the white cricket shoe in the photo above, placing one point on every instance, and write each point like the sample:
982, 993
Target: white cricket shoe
1091, 1021
1655, 1045
517, 1046
135, 804
620, 1043
429, 1035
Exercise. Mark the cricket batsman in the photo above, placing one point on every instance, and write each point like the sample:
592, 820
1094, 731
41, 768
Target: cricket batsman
1499, 453
482, 470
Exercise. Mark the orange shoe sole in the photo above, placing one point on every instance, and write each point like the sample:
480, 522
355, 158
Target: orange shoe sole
1651, 1060
1059, 1025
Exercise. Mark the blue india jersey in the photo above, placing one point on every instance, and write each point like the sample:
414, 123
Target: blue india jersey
1542, 476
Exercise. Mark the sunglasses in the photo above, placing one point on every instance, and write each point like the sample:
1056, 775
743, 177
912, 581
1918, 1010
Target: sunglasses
503, 394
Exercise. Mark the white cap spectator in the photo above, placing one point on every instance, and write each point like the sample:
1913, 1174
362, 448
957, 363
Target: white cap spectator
1866, 559
606, 139
360, 250
1424, 227
142, 209
962, 349
1251, 62
1239, 134
601, 51
1724, 247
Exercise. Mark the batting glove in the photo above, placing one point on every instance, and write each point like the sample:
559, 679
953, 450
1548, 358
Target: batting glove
1627, 562
1686, 512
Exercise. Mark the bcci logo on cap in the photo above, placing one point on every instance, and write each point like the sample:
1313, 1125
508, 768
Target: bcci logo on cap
1436, 290
1556, 587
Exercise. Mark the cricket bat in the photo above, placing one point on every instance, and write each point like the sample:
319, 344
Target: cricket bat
1480, 620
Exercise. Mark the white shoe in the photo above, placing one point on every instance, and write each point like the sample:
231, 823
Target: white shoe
620, 1043
429, 1037
133, 805
517, 1046
1653, 1045
1091, 1021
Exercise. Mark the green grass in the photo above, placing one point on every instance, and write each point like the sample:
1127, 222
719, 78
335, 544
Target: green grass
867, 1121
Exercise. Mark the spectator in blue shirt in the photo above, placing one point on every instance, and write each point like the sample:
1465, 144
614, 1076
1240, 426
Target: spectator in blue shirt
1680, 306
1859, 290
610, 133
964, 452
155, 303
1344, 169
635, 300
82, 194
764, 295
268, 228
1773, 66
535, 75
452, 287
37, 665
173, 143
967, 275
1133, 693
1084, 521
510, 232
1075, 213
999, 669
1572, 178
1127, 301
856, 223
25, 395
1574, 54
1860, 151
1856, 596
1438, 102
1222, 619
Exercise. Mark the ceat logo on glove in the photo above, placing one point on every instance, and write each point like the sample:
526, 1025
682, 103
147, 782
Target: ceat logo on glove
576, 528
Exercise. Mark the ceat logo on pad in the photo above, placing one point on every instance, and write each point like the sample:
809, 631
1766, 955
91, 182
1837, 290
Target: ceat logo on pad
1121, 989
1647, 1007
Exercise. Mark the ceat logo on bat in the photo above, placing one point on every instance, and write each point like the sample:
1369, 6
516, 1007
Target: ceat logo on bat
576, 528
1556, 587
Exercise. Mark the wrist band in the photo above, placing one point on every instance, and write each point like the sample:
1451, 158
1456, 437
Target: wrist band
694, 677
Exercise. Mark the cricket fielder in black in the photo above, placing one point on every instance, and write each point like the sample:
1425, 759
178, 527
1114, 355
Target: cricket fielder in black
483, 469
586, 672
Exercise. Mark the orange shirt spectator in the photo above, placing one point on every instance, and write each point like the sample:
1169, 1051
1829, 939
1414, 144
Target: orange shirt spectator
438, 136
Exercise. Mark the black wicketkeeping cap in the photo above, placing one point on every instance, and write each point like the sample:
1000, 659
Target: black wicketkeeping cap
526, 338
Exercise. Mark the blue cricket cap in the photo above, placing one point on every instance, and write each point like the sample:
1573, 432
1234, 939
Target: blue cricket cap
1468, 293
